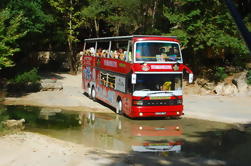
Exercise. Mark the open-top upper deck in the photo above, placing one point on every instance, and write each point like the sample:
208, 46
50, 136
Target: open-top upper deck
136, 48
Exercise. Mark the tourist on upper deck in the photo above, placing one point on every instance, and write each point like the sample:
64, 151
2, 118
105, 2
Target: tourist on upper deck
121, 54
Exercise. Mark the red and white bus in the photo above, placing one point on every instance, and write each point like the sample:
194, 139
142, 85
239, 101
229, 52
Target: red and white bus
139, 75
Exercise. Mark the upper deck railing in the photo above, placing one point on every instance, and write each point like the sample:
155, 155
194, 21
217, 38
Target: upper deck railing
119, 38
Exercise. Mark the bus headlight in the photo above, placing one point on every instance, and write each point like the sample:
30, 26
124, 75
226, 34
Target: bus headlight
138, 102
179, 101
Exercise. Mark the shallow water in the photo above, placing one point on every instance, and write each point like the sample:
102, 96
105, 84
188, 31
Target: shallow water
182, 137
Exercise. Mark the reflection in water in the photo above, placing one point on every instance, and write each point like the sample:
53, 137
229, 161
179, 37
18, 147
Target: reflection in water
185, 137
140, 137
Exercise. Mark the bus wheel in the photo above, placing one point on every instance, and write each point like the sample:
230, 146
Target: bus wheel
93, 94
89, 91
119, 108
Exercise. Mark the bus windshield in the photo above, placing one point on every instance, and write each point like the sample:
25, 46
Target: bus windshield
158, 82
157, 52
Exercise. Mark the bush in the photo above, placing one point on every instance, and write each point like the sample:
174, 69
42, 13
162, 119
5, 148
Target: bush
249, 77
27, 77
25, 82
3, 117
220, 74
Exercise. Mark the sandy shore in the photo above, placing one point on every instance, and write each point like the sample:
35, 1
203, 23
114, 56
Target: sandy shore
31, 149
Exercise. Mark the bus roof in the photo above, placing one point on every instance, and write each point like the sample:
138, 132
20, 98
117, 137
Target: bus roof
127, 38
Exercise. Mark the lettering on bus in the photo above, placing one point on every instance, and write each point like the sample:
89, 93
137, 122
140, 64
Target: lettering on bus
87, 60
110, 63
120, 83
161, 67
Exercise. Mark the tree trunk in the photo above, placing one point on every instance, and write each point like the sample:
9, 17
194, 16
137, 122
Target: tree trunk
96, 27
154, 12
72, 57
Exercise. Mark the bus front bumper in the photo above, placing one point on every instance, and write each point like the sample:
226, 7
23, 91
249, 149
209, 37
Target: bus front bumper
156, 111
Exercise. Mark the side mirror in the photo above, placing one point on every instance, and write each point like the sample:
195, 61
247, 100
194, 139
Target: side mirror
134, 78
190, 78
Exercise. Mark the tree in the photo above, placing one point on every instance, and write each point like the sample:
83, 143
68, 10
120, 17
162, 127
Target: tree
205, 28
94, 13
70, 12
37, 19
9, 34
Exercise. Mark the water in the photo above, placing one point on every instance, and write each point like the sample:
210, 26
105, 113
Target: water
183, 137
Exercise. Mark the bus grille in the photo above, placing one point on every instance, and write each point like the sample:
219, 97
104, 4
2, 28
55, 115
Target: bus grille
157, 102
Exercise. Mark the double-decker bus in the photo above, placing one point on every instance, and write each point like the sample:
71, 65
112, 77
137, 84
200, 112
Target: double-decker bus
139, 75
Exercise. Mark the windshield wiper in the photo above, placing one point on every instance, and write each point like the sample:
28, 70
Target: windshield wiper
157, 93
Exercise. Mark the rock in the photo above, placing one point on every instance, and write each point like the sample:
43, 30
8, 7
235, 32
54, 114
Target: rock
201, 81
14, 124
48, 81
248, 65
49, 84
226, 89
241, 83
214, 162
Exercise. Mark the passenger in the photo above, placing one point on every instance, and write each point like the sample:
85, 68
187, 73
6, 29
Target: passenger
104, 54
116, 55
172, 55
92, 51
112, 55
121, 54
130, 56
99, 52
163, 55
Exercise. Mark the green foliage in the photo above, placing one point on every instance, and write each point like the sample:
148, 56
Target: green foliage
70, 17
249, 77
26, 77
241, 60
204, 27
70, 11
37, 17
25, 82
9, 34
220, 74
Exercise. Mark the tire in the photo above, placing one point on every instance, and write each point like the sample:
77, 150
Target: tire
89, 92
119, 108
93, 94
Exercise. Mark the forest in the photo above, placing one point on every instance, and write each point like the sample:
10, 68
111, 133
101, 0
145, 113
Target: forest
208, 34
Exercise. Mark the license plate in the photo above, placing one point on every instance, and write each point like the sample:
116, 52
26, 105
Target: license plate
160, 113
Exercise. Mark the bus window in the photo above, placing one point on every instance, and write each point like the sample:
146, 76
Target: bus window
158, 82
90, 49
103, 78
111, 81
102, 49
157, 51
